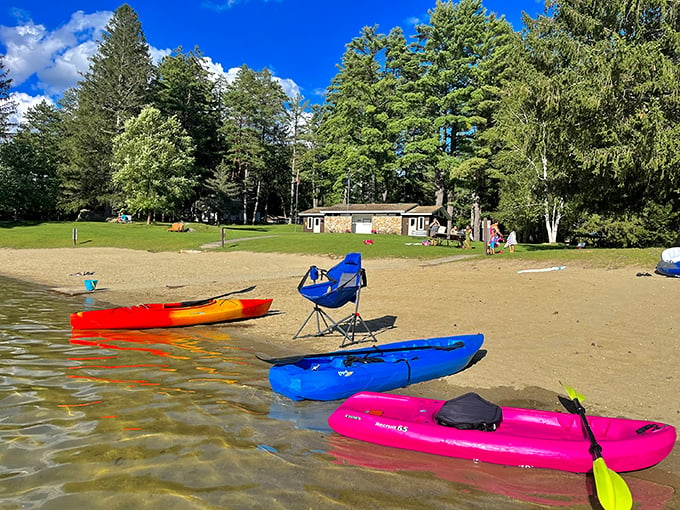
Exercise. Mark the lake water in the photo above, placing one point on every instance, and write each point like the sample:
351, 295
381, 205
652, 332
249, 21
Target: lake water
185, 419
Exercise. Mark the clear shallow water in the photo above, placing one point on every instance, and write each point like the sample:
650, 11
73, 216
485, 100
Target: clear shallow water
185, 419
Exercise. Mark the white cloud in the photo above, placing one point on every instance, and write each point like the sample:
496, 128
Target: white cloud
25, 101
58, 55
320, 92
57, 58
49, 62
232, 74
289, 86
214, 68
219, 6
157, 55
67, 70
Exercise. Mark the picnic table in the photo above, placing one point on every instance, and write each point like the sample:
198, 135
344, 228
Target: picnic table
444, 236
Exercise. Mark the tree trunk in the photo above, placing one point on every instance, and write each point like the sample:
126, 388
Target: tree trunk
245, 195
552, 212
294, 179
553, 215
439, 196
257, 200
476, 217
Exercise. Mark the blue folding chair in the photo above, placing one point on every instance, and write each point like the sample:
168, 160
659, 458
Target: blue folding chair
334, 288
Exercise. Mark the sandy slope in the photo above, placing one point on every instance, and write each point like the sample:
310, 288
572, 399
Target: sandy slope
611, 334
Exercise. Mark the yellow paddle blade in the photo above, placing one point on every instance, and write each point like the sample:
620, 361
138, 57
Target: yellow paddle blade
573, 394
612, 491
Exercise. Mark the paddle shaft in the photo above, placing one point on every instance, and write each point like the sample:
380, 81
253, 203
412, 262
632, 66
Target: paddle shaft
289, 360
612, 491
208, 300
595, 448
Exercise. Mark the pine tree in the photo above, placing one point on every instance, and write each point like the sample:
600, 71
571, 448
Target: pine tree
30, 188
628, 58
316, 180
356, 123
455, 47
254, 132
184, 88
7, 106
298, 131
408, 120
114, 90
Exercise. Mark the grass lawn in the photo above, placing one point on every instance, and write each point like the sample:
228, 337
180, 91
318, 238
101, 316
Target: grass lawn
289, 239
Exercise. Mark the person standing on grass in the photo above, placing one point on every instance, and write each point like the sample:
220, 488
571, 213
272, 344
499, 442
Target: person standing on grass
468, 238
434, 229
512, 241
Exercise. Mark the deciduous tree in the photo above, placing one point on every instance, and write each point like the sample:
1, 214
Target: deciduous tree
153, 159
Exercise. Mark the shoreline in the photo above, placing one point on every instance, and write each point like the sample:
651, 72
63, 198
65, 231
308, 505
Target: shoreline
611, 335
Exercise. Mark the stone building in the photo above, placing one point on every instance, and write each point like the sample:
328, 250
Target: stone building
398, 219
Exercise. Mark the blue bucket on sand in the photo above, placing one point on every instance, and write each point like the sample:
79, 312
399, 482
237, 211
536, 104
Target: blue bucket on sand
90, 284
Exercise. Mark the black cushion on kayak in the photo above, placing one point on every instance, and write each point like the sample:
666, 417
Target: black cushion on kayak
351, 359
470, 412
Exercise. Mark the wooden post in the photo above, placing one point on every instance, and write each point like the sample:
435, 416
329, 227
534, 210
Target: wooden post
75, 236
224, 235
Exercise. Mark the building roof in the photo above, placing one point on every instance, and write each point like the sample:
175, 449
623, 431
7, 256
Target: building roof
399, 208
428, 209
404, 209
311, 212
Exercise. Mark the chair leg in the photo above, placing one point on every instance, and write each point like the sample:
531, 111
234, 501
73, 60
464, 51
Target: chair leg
311, 314
351, 320
346, 326
321, 317
349, 333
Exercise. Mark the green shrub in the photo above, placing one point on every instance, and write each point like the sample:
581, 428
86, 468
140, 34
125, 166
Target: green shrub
651, 227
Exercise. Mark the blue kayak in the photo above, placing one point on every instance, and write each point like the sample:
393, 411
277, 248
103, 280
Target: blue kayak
340, 374
669, 265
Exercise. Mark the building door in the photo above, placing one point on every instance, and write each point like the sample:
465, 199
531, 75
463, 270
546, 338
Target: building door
412, 226
363, 224
416, 226
317, 226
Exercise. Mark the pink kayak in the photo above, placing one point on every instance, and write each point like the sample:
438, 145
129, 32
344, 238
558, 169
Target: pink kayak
525, 437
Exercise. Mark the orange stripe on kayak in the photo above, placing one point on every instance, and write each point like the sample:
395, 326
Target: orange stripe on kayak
159, 315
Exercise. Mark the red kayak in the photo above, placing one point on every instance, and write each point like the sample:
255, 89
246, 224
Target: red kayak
164, 315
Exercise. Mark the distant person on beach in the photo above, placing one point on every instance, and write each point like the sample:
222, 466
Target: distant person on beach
468, 238
511, 242
493, 242
495, 237
434, 229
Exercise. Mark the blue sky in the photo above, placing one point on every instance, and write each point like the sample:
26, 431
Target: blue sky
47, 43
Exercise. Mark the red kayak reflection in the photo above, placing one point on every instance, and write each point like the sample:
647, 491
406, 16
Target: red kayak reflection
540, 486
136, 340
153, 346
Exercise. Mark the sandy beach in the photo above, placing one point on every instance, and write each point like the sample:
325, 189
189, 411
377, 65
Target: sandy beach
609, 333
